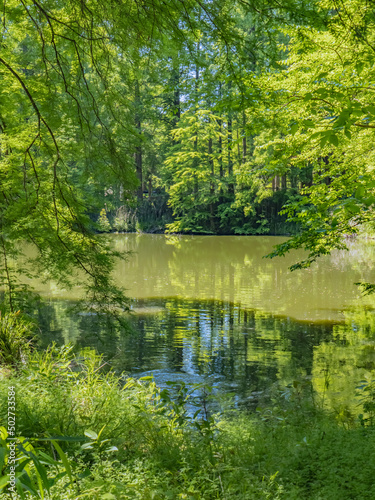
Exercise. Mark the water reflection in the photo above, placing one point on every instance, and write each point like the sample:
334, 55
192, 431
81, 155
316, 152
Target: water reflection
232, 269
232, 318
235, 350
345, 362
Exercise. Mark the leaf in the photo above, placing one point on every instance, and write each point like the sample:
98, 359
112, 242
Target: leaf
46, 458
294, 128
322, 93
333, 139
315, 135
359, 67
64, 460
20, 486
4, 481
308, 123
369, 201
360, 191
68, 439
41, 476
84, 474
353, 207
3, 453
91, 434
342, 118
87, 446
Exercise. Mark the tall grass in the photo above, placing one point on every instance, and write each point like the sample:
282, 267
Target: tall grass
98, 435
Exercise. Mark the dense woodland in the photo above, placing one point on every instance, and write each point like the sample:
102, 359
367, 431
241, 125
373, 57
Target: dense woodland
243, 117
195, 117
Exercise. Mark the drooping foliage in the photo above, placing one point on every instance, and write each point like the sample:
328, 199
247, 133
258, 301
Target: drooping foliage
191, 117
323, 109
70, 127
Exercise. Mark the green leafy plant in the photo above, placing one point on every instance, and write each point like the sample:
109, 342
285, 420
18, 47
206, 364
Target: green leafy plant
366, 394
15, 338
103, 222
35, 470
97, 443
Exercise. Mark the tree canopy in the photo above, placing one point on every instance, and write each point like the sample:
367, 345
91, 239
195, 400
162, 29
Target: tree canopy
67, 126
209, 117
323, 110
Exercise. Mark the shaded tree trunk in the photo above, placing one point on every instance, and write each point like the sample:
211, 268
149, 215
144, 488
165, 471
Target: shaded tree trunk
195, 173
230, 160
176, 103
138, 148
212, 187
244, 142
276, 183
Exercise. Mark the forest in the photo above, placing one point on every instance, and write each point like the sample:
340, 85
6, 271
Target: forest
148, 127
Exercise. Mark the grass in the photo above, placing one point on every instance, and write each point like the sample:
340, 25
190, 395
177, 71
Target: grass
89, 433
15, 338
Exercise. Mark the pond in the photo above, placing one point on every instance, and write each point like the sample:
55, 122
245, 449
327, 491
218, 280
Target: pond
212, 309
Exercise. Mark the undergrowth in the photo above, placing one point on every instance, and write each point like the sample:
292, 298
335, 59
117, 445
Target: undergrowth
84, 432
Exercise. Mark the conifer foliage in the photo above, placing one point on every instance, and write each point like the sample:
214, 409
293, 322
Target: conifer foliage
217, 112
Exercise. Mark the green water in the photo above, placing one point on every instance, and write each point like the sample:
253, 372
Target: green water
232, 269
212, 309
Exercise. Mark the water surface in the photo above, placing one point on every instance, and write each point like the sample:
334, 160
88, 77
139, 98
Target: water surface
211, 309
232, 269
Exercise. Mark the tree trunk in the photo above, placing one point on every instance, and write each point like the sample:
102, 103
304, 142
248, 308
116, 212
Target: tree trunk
195, 163
138, 148
175, 80
230, 161
212, 187
244, 143
276, 183
238, 146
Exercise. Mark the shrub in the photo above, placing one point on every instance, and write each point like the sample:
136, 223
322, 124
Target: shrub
15, 338
103, 222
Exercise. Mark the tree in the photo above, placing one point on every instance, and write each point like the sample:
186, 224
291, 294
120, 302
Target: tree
65, 130
322, 105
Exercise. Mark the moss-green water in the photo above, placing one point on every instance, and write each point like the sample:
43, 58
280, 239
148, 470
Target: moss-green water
212, 309
232, 269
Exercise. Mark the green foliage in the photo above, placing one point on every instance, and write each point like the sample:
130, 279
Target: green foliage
87, 433
125, 220
15, 338
35, 471
103, 222
69, 131
366, 396
320, 113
